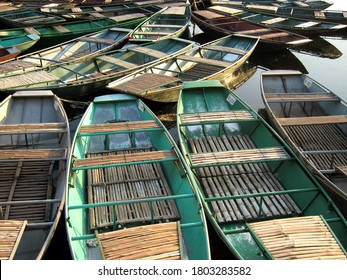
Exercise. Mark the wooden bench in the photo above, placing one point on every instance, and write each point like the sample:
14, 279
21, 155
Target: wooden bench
237, 157
32, 128
117, 61
127, 17
41, 154
274, 35
61, 28
342, 170
306, 24
273, 20
225, 49
301, 97
154, 33
149, 242
254, 31
148, 51
162, 25
32, 30
338, 119
175, 11
215, 117
207, 61
298, 238
118, 127
114, 160
97, 40
11, 232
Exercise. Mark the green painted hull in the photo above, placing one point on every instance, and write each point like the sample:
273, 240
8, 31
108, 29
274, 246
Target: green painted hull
242, 184
51, 36
124, 108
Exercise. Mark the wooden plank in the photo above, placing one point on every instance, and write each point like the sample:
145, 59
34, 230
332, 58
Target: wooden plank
225, 49
274, 20
207, 61
124, 158
216, 116
255, 31
61, 28
180, 11
97, 40
342, 169
337, 119
153, 33
148, 51
43, 154
11, 232
32, 30
27, 128
307, 24
128, 17
301, 97
162, 25
274, 35
117, 61
208, 14
121, 126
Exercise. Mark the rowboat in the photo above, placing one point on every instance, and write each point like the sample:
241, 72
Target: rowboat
59, 33
311, 14
299, 26
216, 24
312, 119
12, 47
74, 50
162, 81
310, 4
97, 10
72, 80
35, 142
169, 22
260, 199
129, 196
23, 17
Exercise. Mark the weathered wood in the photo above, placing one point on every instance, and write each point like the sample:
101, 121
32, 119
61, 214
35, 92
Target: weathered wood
27, 128
156, 241
207, 61
116, 127
338, 119
148, 51
225, 49
97, 40
117, 61
11, 232
42, 154
298, 238
301, 97
215, 116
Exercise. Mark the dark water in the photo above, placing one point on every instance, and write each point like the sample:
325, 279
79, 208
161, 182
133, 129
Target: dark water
325, 60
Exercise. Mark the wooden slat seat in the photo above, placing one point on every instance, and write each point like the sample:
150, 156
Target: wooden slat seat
154, 33
230, 11
11, 232
118, 127
239, 156
207, 61
32, 128
274, 35
127, 17
342, 170
42, 154
145, 82
97, 40
32, 30
225, 49
27, 79
307, 24
273, 20
298, 238
149, 242
254, 31
208, 14
215, 117
61, 28
337, 119
148, 51
99, 162
175, 11
162, 25
117, 61
301, 97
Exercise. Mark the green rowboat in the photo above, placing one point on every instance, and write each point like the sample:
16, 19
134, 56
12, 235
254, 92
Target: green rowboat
261, 200
128, 187
59, 33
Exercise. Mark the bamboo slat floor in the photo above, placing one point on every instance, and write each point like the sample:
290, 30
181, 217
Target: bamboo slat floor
320, 140
301, 238
149, 242
239, 179
129, 182
10, 235
25, 181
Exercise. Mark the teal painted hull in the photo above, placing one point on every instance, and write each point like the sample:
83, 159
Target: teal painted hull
134, 191
220, 136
